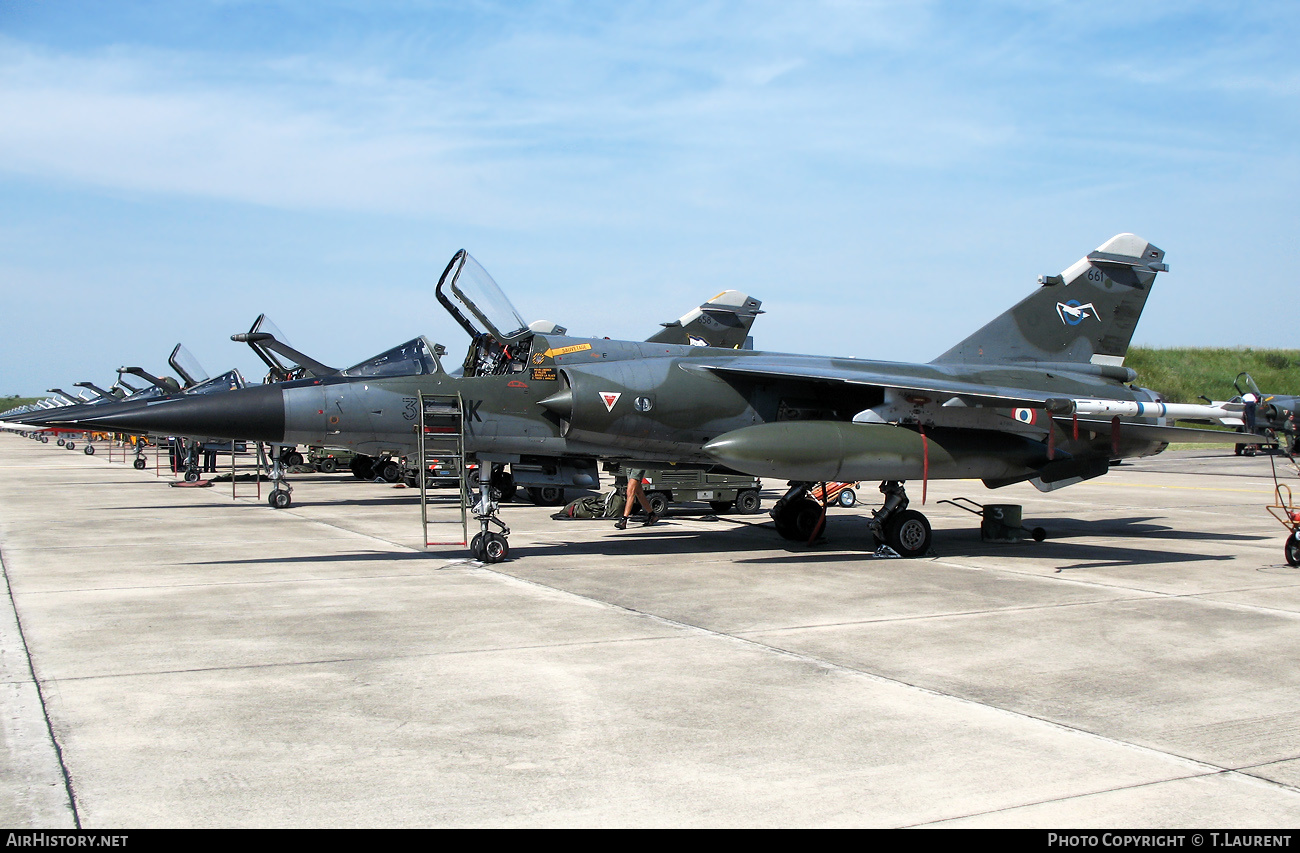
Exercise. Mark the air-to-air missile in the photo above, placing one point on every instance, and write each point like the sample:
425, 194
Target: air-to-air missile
1039, 394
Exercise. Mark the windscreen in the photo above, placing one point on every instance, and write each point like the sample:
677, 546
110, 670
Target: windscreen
412, 358
228, 381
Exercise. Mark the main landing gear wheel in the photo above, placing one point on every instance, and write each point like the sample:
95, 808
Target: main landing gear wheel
390, 471
292, 458
279, 499
139, 464
908, 533
546, 495
505, 482
798, 519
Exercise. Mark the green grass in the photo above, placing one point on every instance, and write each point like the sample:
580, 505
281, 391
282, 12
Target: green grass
1182, 375
7, 403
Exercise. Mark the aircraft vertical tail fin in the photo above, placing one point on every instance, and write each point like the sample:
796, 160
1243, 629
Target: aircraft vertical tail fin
723, 321
1086, 314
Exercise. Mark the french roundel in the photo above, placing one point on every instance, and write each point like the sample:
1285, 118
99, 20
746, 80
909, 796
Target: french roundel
1025, 416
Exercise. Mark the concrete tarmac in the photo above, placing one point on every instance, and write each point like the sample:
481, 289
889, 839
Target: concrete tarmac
178, 658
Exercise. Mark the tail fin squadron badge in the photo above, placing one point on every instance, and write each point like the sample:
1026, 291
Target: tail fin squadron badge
1072, 313
609, 398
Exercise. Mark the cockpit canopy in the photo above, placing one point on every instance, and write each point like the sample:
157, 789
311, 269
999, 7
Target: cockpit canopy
281, 368
1245, 383
187, 366
231, 380
476, 302
413, 358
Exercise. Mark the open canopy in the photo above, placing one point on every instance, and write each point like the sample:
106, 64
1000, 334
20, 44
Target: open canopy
476, 302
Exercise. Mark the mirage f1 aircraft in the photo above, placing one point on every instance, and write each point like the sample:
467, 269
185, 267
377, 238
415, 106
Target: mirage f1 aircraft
1039, 394
1273, 421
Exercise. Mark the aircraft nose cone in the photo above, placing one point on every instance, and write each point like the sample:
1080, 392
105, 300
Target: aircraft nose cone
255, 414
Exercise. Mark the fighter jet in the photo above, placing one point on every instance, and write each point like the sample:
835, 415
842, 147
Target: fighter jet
1039, 394
194, 380
724, 321
1271, 417
283, 362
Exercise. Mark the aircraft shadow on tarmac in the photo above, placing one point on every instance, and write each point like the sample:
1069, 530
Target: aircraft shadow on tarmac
1134, 527
352, 557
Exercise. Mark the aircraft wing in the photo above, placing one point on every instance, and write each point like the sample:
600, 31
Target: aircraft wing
869, 373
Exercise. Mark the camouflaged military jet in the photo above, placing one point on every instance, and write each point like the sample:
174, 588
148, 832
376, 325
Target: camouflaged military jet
1273, 421
1039, 394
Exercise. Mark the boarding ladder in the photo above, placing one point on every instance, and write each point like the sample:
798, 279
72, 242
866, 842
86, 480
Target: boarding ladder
442, 463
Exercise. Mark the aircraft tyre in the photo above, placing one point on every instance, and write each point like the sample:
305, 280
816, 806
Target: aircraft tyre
748, 502
1292, 550
291, 458
506, 483
722, 507
848, 498
908, 533
798, 519
139, 463
658, 502
495, 548
546, 495
361, 466
279, 499
489, 547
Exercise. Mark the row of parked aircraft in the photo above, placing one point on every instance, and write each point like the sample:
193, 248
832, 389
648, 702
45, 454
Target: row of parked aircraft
1039, 394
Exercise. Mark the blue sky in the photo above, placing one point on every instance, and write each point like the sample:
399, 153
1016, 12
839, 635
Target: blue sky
885, 176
